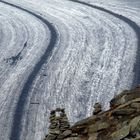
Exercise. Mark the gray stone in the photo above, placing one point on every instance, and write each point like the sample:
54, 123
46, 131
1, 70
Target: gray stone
67, 133
58, 109
55, 131
98, 126
52, 112
135, 105
51, 137
135, 94
59, 125
123, 111
60, 137
135, 124
74, 138
121, 133
137, 138
119, 99
97, 108
93, 136
52, 127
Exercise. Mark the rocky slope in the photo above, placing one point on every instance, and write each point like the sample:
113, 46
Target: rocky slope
120, 122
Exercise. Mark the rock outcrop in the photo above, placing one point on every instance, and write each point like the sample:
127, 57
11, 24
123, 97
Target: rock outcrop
120, 122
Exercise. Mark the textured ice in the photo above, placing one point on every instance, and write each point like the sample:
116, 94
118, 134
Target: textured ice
95, 57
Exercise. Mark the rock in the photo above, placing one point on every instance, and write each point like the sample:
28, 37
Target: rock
124, 97
93, 136
135, 105
97, 127
135, 124
51, 137
119, 99
123, 111
137, 138
120, 134
60, 137
59, 125
132, 96
64, 134
67, 133
54, 131
58, 109
52, 112
97, 108
73, 138
52, 127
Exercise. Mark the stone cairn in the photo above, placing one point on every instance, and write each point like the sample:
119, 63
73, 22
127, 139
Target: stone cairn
59, 125
97, 108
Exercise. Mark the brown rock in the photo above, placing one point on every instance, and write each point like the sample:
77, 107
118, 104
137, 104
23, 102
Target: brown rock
51, 137
124, 97
120, 134
135, 124
74, 138
93, 136
119, 99
137, 138
55, 131
58, 109
67, 133
52, 112
135, 105
97, 108
123, 111
97, 127
132, 96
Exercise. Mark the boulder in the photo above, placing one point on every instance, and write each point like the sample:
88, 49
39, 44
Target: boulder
97, 108
137, 138
121, 133
67, 133
135, 124
123, 111
119, 99
54, 131
124, 97
135, 105
97, 127
93, 137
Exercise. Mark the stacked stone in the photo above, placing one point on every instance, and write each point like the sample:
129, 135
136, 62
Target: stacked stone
59, 125
64, 123
97, 108
54, 127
